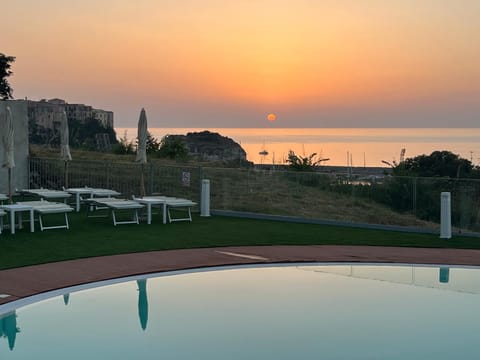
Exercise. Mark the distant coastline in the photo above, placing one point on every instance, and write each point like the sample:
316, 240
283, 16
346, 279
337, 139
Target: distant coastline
194, 128
366, 147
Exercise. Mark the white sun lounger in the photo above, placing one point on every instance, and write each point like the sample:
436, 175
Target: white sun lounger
89, 193
3, 197
167, 203
114, 204
48, 194
180, 204
2, 214
43, 207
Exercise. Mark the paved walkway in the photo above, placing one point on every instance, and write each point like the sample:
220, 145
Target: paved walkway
23, 282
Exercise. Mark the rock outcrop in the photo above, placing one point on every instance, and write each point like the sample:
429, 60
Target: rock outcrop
210, 146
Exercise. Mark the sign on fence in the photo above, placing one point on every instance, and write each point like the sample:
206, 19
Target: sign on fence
186, 178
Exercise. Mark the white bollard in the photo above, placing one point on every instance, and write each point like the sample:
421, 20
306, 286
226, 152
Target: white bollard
444, 275
445, 216
205, 198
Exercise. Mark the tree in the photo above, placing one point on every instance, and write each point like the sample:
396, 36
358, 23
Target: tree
307, 163
123, 146
173, 147
83, 133
5, 72
438, 163
418, 182
153, 145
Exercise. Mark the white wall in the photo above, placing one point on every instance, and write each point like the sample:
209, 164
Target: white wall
20, 171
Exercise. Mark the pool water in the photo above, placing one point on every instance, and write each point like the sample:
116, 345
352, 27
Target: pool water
269, 312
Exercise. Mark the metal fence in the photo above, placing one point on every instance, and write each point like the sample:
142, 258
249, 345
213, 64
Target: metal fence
126, 178
398, 201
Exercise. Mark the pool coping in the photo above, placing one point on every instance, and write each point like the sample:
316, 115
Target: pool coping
21, 283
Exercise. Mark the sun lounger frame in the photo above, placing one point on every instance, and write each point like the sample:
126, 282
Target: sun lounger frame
167, 203
47, 194
2, 214
180, 204
89, 192
118, 206
113, 204
46, 207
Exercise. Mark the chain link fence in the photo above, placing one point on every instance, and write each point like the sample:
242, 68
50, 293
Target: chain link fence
381, 200
126, 178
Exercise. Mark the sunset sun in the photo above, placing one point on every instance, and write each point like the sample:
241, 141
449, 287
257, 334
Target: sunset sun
271, 117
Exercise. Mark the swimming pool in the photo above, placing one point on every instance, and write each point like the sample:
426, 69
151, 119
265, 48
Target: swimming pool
269, 312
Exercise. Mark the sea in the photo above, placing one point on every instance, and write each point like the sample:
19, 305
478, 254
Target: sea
360, 147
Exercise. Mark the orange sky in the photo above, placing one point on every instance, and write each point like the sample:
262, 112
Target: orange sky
230, 63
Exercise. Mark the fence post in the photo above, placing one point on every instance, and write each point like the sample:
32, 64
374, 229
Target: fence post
199, 188
445, 216
205, 198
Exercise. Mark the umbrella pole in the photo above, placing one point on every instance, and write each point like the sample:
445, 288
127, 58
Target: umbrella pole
142, 184
10, 185
66, 174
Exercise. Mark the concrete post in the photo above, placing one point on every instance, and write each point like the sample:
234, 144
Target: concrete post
445, 216
205, 198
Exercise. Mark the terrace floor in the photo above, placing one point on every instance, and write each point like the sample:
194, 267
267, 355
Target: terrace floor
32, 280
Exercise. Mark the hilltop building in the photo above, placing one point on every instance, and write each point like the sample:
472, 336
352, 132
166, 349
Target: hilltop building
42, 113
87, 124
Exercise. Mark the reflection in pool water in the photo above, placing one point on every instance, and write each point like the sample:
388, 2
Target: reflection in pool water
284, 312
8, 327
142, 303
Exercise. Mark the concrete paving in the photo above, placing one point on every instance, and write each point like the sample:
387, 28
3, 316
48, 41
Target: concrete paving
27, 281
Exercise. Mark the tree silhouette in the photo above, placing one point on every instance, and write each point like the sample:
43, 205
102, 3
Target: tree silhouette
5, 72
173, 147
438, 163
303, 163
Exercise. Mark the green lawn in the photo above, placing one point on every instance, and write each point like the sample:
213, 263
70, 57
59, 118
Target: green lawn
89, 237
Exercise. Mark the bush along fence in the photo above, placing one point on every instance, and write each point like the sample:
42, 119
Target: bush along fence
389, 200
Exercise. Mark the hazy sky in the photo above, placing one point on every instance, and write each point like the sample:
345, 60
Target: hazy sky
220, 63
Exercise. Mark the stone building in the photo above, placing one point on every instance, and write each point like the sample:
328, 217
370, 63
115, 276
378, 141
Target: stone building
42, 113
104, 117
44, 120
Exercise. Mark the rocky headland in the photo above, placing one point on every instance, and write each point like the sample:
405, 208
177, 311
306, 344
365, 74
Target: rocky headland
211, 146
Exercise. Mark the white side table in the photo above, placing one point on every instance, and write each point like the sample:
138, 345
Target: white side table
78, 192
12, 209
91, 192
154, 201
